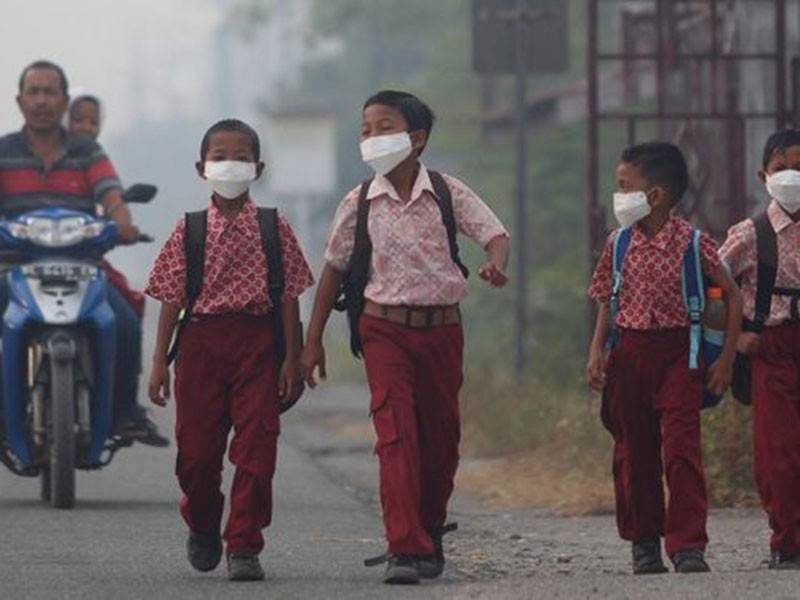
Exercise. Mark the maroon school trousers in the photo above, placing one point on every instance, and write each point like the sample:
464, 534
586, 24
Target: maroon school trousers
776, 433
414, 378
225, 377
651, 406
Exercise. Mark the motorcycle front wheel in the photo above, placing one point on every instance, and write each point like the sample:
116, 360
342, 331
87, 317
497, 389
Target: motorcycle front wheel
62, 441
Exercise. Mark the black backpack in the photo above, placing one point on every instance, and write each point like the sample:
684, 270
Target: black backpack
766, 273
351, 293
195, 250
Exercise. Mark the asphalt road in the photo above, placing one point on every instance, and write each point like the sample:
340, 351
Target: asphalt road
126, 540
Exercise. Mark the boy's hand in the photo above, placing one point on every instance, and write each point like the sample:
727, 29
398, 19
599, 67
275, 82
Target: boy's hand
159, 386
493, 274
128, 234
596, 370
749, 343
289, 378
719, 376
312, 357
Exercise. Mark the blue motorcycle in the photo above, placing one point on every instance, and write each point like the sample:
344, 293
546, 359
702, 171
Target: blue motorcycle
58, 348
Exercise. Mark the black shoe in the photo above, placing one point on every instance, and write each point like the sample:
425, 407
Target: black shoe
144, 431
402, 570
647, 558
204, 551
244, 566
782, 563
690, 561
432, 565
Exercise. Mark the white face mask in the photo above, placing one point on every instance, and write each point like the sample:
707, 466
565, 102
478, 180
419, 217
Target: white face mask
384, 152
784, 187
230, 178
630, 207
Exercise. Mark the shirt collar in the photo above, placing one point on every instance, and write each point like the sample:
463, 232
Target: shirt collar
67, 143
241, 221
381, 186
778, 217
663, 239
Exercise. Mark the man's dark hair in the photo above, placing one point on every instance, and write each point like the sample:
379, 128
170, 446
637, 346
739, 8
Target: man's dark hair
417, 114
231, 125
45, 64
662, 164
779, 142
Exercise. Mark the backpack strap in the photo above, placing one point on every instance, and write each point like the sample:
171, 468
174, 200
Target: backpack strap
694, 298
351, 293
194, 250
194, 247
766, 272
444, 199
360, 264
276, 282
622, 240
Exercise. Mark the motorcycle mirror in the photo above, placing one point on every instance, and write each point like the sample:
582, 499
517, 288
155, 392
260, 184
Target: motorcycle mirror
139, 193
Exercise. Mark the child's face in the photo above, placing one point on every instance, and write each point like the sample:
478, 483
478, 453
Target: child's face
378, 119
230, 145
84, 119
630, 179
781, 161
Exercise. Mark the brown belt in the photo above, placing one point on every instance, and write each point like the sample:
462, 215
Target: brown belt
417, 317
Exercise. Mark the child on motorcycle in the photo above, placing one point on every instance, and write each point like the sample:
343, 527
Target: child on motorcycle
84, 118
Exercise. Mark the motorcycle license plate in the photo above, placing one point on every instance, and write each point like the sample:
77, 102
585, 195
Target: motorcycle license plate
60, 271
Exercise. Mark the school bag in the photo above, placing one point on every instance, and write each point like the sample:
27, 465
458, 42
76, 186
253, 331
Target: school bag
766, 273
194, 250
351, 292
707, 343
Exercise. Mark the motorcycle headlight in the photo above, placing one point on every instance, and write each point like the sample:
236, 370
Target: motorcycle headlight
56, 233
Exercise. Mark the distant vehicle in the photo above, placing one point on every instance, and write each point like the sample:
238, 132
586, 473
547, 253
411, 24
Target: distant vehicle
58, 347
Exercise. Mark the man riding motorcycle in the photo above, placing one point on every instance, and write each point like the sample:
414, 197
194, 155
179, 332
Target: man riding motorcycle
42, 165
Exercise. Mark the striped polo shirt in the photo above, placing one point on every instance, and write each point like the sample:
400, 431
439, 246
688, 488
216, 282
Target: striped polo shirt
78, 179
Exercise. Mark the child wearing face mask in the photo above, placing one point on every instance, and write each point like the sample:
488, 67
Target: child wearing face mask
651, 395
771, 338
226, 372
392, 244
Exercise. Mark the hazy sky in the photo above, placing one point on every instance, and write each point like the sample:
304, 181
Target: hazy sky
122, 50
164, 76
155, 58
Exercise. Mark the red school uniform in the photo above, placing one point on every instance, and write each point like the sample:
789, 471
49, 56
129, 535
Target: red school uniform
775, 376
414, 374
225, 374
651, 403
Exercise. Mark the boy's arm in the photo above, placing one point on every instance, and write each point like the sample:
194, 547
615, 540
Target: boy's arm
739, 252
159, 388
596, 366
313, 355
494, 271
290, 315
721, 372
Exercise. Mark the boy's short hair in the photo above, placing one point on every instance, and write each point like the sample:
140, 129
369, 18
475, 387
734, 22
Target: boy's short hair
85, 98
45, 64
417, 114
662, 164
780, 141
231, 125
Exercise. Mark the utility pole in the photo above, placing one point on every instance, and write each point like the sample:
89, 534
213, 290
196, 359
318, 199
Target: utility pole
521, 242
520, 37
